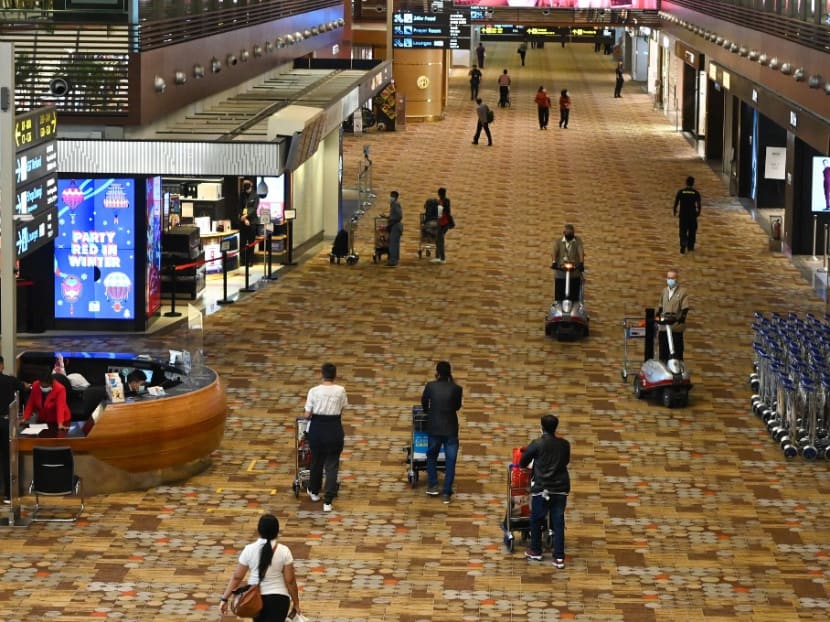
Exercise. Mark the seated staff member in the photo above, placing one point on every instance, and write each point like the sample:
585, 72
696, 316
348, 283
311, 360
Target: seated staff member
135, 383
48, 401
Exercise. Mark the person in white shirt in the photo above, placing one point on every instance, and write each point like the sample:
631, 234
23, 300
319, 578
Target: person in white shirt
271, 565
324, 407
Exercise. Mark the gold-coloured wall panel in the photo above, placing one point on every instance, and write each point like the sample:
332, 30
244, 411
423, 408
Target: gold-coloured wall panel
419, 75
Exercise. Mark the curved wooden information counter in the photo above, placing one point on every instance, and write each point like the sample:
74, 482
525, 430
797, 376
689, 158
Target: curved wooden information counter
143, 442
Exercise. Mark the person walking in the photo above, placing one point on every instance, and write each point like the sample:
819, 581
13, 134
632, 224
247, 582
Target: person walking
441, 401
483, 115
394, 227
542, 107
324, 408
523, 51
687, 201
9, 385
475, 81
564, 108
618, 85
674, 300
271, 566
549, 489
480, 54
247, 220
504, 89
568, 248
444, 220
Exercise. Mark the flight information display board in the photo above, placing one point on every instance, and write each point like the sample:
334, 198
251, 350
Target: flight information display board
445, 30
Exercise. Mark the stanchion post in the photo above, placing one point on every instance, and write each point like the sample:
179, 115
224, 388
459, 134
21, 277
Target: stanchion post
225, 300
248, 250
269, 232
173, 312
826, 228
815, 233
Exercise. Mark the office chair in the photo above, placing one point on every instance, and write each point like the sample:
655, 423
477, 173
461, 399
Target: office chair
54, 476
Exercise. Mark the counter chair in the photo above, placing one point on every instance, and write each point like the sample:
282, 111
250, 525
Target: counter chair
53, 471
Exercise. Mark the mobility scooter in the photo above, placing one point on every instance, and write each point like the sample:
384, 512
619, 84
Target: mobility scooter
567, 319
670, 380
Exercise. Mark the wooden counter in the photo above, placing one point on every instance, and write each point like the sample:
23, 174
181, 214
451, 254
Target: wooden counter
144, 443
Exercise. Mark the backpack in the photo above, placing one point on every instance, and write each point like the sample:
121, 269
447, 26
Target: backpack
490, 116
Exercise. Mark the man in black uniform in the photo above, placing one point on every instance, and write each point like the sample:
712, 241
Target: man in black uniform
247, 217
688, 200
8, 386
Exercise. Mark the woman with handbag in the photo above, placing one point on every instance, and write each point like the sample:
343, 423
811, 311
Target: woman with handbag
272, 565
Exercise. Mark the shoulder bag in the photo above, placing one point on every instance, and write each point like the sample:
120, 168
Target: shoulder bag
247, 601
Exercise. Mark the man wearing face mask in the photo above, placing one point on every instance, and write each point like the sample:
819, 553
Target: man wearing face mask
674, 300
135, 383
48, 402
248, 219
568, 248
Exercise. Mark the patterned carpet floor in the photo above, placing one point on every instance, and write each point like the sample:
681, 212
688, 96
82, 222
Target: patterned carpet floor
676, 514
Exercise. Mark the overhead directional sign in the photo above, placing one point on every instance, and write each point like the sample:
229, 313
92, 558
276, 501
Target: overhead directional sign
36, 162
30, 236
36, 181
34, 197
35, 127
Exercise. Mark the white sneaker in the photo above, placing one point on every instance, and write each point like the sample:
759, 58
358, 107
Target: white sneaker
312, 496
436, 260
327, 507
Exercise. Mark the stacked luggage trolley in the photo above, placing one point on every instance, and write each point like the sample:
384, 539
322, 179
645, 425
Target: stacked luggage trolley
791, 382
416, 452
633, 328
303, 456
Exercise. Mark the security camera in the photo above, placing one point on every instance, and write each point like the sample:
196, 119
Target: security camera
546, 12
58, 86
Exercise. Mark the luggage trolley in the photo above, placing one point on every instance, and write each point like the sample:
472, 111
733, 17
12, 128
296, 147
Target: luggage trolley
381, 238
517, 512
633, 328
416, 453
303, 464
429, 234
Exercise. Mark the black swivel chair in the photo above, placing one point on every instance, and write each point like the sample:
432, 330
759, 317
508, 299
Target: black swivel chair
54, 476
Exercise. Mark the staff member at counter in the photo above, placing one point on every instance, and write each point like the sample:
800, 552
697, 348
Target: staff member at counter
48, 401
135, 383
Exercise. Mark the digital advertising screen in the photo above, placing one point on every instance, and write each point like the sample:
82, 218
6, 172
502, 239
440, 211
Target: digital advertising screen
417, 29
95, 253
272, 205
821, 184
153, 271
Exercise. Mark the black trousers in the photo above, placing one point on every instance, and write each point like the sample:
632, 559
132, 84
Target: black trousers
663, 341
618, 87
576, 285
325, 439
4, 455
504, 96
274, 608
564, 115
544, 116
688, 233
486, 128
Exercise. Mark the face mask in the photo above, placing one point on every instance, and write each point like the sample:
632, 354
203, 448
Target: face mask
671, 282
141, 389
45, 389
569, 236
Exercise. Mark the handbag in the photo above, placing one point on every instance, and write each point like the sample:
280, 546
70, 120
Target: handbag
247, 601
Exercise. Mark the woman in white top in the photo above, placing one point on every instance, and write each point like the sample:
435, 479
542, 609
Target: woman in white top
272, 566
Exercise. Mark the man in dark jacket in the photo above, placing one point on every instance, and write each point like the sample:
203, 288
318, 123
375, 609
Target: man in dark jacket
687, 200
9, 385
549, 489
441, 400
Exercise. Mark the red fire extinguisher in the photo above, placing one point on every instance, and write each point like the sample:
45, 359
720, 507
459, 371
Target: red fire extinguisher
776, 229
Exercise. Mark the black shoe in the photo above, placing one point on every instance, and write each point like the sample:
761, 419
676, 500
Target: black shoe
682, 251
475, 142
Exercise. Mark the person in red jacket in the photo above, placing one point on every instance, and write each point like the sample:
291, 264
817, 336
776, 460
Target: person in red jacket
48, 401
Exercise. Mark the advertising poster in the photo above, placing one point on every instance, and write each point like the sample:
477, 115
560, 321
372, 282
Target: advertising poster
561, 4
153, 270
775, 162
821, 184
94, 250
272, 205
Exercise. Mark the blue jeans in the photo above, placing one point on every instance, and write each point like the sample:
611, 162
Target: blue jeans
450, 444
541, 510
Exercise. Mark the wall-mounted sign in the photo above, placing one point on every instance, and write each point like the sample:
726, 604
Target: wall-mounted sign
821, 184
793, 118
430, 30
775, 163
755, 96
